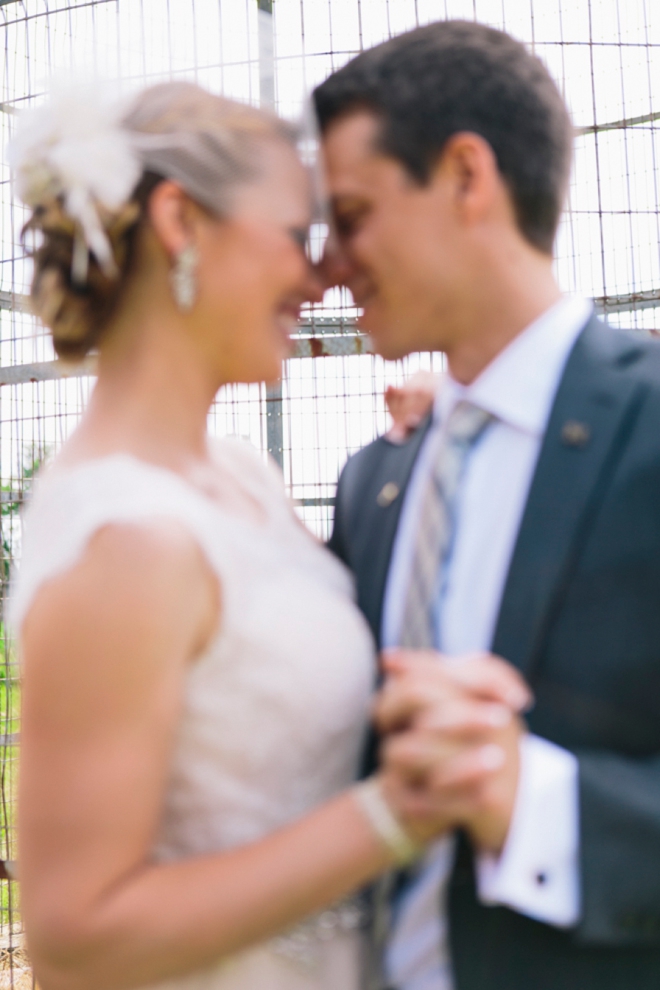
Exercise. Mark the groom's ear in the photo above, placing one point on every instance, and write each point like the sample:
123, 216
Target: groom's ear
476, 190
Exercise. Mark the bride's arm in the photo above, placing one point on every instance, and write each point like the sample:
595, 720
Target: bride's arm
105, 652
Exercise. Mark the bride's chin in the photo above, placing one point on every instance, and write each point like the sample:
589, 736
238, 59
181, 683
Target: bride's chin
286, 325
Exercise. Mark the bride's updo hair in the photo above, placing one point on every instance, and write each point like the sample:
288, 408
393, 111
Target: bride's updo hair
208, 144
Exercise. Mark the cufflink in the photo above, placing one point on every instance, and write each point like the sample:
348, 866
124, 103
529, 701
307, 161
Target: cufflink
575, 434
387, 494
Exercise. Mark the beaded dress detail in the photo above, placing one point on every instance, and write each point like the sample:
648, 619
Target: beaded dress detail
275, 710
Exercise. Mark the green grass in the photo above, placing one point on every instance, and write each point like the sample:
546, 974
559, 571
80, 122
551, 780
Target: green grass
9, 728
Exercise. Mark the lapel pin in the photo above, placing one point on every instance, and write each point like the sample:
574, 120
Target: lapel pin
575, 434
387, 494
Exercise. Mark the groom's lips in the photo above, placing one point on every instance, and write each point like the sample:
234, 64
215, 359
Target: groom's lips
363, 288
364, 302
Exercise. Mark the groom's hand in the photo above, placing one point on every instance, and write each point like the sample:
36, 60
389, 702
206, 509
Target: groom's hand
415, 678
452, 730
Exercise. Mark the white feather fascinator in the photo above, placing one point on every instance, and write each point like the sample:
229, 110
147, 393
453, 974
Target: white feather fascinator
91, 152
75, 147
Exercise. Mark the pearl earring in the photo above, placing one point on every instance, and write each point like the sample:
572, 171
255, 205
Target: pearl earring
183, 278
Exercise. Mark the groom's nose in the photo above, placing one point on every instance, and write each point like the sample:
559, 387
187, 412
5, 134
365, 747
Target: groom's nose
335, 267
314, 285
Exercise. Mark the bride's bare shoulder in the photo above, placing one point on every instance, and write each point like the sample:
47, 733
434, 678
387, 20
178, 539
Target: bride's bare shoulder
241, 455
142, 569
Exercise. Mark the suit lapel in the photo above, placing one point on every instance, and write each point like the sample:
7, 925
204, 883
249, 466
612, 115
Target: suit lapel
377, 522
373, 532
593, 413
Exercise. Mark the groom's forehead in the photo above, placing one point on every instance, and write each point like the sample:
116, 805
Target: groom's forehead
355, 165
351, 145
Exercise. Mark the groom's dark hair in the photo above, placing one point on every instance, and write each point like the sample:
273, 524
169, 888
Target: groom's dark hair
451, 76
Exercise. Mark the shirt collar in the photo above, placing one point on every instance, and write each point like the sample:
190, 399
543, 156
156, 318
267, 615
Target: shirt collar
519, 385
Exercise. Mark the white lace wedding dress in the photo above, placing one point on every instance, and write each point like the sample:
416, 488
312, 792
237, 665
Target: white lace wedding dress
275, 710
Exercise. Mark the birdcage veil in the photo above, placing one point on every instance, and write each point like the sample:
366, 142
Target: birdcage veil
205, 142
310, 151
91, 153
86, 167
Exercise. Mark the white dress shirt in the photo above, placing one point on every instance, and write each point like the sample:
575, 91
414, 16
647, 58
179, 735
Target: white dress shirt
537, 872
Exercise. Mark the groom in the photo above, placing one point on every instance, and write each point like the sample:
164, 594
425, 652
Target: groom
522, 517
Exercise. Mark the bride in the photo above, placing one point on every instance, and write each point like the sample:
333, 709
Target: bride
197, 678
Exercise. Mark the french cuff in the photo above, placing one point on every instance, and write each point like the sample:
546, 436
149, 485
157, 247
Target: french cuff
537, 872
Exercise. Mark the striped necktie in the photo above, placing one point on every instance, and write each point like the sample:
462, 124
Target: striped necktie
435, 528
432, 542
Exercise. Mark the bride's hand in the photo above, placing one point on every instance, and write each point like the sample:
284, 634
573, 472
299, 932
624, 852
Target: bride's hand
409, 403
404, 797
450, 752
455, 774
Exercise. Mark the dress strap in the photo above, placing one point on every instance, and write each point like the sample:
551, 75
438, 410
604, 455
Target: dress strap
68, 507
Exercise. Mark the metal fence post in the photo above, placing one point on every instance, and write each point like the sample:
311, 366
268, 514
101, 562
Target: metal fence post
274, 425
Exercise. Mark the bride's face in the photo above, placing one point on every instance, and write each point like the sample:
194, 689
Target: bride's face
253, 272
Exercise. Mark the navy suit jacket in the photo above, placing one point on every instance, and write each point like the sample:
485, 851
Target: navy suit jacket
580, 617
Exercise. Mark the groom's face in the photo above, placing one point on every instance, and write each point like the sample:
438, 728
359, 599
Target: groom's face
397, 245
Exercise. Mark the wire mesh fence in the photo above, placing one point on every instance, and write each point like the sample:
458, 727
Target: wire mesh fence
604, 54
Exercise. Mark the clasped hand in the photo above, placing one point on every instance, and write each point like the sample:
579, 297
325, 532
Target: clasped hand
451, 729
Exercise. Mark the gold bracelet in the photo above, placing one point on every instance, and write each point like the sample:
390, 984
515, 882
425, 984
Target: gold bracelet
384, 822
